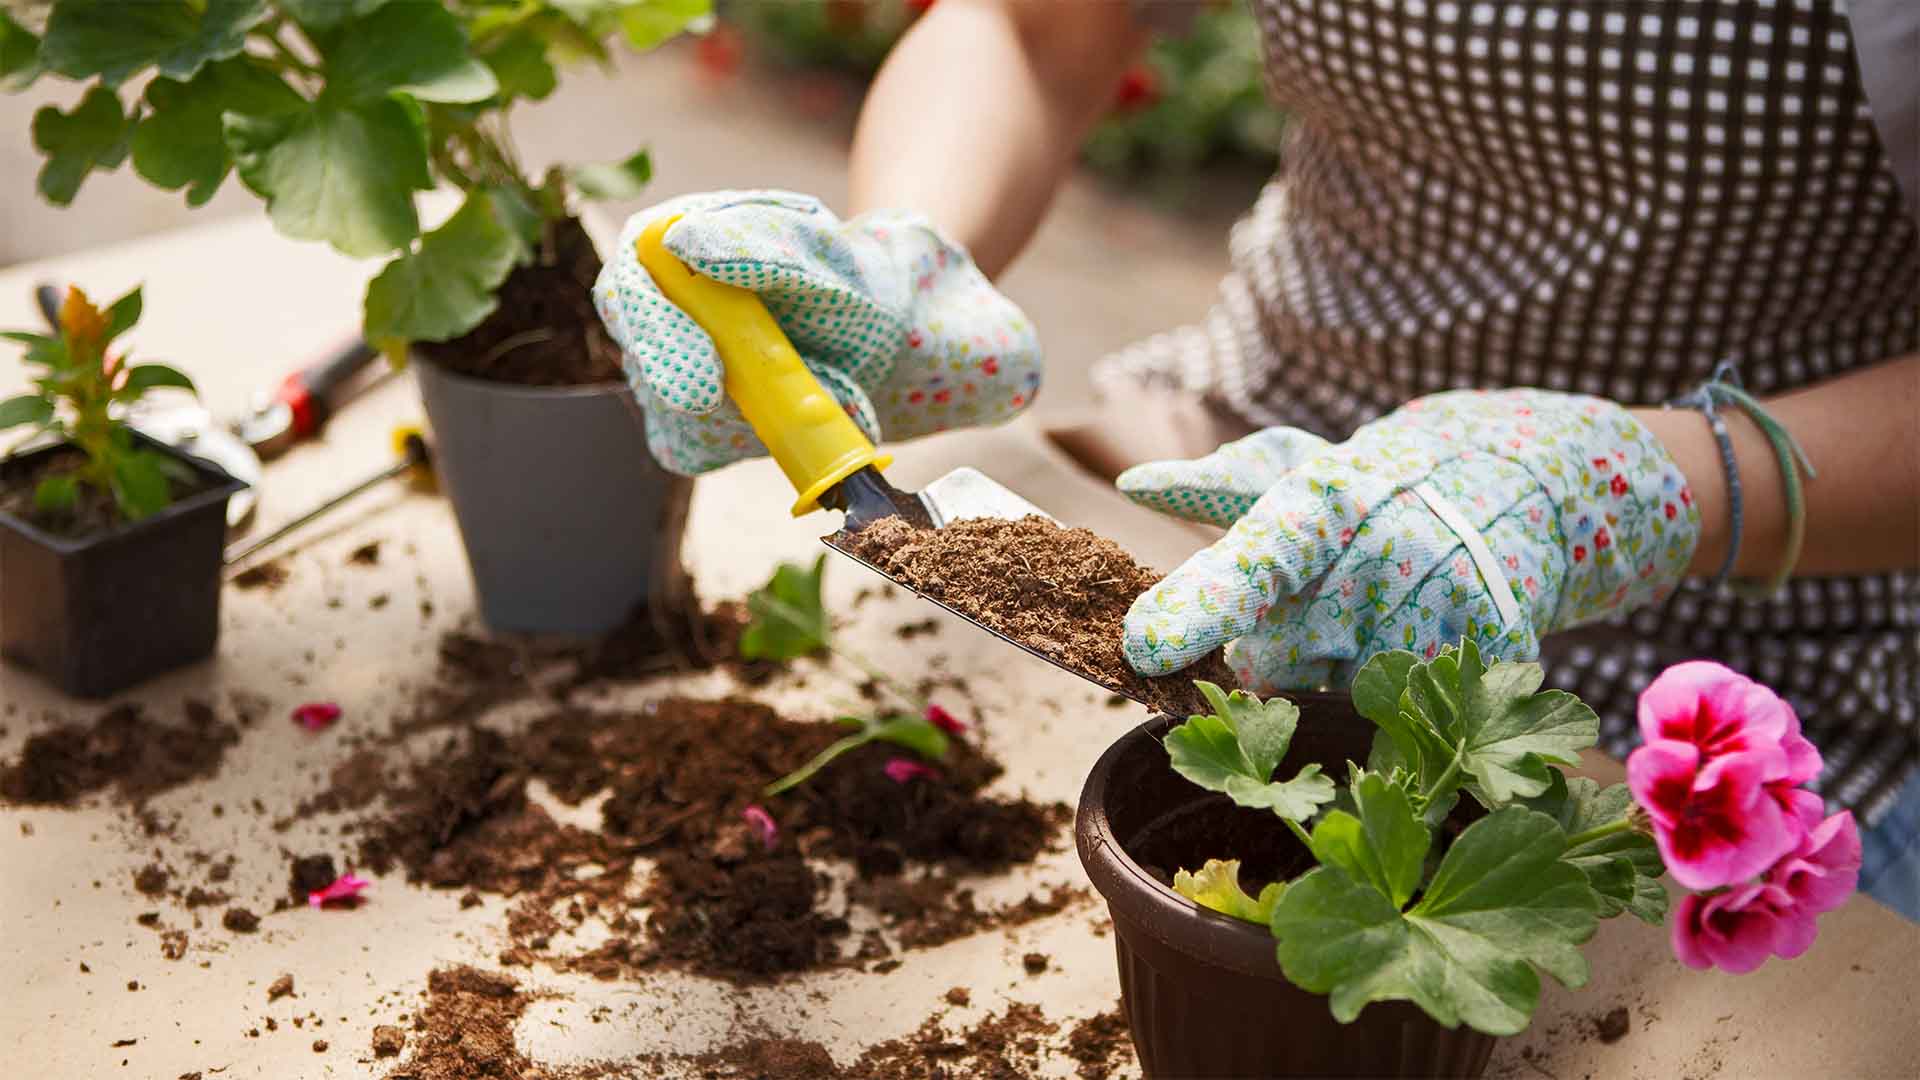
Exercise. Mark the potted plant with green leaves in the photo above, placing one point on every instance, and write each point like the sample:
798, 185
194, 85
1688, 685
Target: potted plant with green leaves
1426, 895
338, 114
110, 541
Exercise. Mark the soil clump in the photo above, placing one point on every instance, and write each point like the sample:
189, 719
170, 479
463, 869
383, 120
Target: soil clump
124, 749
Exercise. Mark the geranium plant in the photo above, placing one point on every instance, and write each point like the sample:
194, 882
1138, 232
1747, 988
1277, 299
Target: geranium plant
337, 113
80, 386
787, 620
1398, 906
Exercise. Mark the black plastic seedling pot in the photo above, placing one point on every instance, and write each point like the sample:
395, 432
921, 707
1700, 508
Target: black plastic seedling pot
96, 614
1203, 992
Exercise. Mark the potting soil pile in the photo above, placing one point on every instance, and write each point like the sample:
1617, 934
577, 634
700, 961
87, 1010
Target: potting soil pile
1061, 592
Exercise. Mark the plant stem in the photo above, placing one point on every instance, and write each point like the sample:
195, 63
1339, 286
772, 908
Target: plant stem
1446, 778
805, 772
787, 611
1600, 832
1299, 831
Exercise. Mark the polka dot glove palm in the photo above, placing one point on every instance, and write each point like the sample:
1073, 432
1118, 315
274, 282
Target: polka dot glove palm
897, 322
1497, 516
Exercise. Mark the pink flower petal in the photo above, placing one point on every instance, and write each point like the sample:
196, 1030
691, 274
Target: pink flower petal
945, 721
901, 770
1716, 826
1718, 710
316, 715
1825, 869
763, 825
345, 889
1735, 930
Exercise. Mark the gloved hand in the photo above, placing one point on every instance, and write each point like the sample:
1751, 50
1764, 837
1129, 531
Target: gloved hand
894, 320
1497, 516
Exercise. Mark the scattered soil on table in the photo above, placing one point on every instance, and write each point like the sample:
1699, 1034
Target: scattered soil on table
123, 749
267, 575
367, 554
151, 880
676, 777
466, 1029
1100, 1044
1035, 962
309, 874
1010, 1045
769, 1059
240, 920
1613, 1025
279, 988
1061, 592
545, 331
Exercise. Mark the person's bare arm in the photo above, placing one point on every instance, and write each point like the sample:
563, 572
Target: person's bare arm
1862, 433
979, 112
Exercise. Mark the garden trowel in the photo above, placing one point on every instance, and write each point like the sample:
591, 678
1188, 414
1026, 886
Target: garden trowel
828, 459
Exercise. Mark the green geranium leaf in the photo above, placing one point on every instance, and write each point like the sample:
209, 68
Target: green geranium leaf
1406, 739
446, 286
114, 39
325, 14
56, 494
182, 142
1507, 731
1235, 749
144, 377
1501, 904
1217, 886
417, 48
1581, 805
25, 409
92, 136
1383, 844
19, 54
42, 349
787, 616
343, 174
615, 180
520, 65
653, 22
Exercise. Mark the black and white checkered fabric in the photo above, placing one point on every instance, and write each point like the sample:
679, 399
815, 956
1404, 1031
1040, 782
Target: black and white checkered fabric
1607, 197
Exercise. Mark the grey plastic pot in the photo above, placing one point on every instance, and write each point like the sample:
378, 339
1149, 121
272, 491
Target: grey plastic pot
1203, 993
568, 523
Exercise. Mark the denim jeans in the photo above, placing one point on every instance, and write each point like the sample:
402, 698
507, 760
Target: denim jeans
1890, 854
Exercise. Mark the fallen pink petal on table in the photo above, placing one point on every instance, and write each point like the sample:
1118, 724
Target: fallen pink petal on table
345, 889
763, 826
316, 715
945, 720
900, 770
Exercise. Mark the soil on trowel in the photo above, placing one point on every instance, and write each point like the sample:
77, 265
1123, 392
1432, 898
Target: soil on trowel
138, 757
675, 779
545, 331
1061, 592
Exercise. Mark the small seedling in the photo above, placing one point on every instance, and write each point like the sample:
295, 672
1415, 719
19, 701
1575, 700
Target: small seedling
80, 388
787, 620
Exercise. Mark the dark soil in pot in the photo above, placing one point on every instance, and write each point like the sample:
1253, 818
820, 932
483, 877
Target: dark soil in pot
96, 603
545, 331
1058, 591
1203, 993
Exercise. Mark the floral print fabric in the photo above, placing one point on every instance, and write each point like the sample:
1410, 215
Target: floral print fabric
892, 318
1336, 552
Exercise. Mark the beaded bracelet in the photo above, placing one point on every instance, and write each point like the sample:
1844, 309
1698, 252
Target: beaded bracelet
1723, 388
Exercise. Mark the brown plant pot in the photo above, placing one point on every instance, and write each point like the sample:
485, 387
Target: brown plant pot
1203, 992
96, 614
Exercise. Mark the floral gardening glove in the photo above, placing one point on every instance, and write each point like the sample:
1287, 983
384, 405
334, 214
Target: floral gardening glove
896, 321
1497, 516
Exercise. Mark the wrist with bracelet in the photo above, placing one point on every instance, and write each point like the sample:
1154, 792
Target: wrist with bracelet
1722, 390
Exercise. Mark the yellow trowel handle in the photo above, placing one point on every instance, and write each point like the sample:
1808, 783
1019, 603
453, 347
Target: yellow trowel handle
816, 443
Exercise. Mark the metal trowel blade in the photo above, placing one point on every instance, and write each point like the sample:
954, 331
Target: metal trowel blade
961, 494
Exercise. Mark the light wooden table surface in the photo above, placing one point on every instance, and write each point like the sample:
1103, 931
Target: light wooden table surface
236, 306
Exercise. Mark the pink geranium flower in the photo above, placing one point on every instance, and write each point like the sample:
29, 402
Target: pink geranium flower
1714, 822
1824, 870
1737, 930
1718, 711
316, 715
